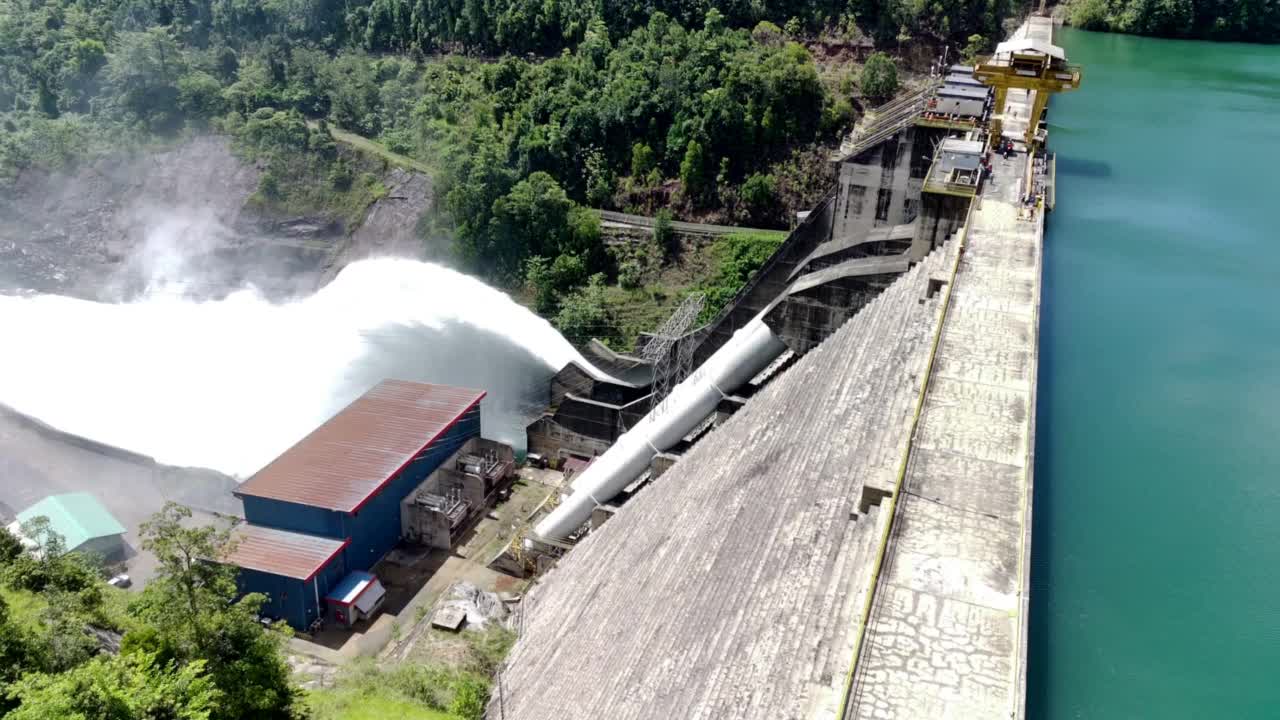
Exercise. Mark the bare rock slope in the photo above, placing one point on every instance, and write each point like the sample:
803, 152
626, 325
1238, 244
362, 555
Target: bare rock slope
183, 215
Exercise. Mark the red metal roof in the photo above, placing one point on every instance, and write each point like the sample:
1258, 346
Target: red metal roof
345, 461
281, 552
576, 465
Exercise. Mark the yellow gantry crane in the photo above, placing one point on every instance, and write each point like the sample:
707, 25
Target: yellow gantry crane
1027, 61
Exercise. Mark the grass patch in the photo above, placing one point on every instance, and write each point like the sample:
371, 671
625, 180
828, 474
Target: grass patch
25, 607
299, 184
737, 258
718, 268
364, 144
354, 704
411, 690
114, 612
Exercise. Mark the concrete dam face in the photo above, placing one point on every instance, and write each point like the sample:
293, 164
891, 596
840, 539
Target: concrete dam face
228, 384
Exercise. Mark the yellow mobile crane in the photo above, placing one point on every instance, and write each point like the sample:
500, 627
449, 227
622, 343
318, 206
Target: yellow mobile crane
1028, 61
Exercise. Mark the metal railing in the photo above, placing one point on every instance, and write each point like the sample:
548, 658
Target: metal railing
889, 119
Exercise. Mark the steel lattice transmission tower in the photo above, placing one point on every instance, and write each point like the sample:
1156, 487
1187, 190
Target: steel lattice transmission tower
669, 367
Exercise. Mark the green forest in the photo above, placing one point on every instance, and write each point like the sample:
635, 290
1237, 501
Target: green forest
525, 111
1248, 20
185, 648
188, 647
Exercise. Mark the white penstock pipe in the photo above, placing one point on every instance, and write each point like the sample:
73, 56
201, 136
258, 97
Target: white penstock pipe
749, 351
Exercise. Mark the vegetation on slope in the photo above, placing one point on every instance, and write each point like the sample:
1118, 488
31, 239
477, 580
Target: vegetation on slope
526, 111
187, 651
1248, 20
426, 691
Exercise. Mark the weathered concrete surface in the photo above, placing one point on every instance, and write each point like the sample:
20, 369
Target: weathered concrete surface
945, 636
731, 588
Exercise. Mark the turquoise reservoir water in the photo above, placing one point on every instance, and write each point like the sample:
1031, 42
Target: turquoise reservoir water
1156, 563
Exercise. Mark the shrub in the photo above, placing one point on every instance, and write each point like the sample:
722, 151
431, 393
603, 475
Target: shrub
642, 160
469, 698
879, 77
10, 546
1089, 14
630, 274
340, 176
758, 194
663, 234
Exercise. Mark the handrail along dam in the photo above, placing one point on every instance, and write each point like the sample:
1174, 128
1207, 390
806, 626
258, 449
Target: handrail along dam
832, 518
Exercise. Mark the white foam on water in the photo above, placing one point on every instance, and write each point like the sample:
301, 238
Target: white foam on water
229, 384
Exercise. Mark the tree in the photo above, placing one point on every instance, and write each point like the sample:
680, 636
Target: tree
767, 33
600, 179
17, 656
192, 606
552, 280
532, 219
693, 170
583, 313
758, 194
50, 567
275, 132
642, 160
976, 46
584, 238
49, 544
879, 77
10, 546
125, 687
200, 95
194, 587
1089, 14
479, 178
663, 235
143, 72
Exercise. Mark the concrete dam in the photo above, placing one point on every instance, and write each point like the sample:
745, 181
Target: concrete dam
831, 517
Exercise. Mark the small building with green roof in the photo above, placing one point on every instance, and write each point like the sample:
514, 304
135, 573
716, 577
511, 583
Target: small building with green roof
84, 524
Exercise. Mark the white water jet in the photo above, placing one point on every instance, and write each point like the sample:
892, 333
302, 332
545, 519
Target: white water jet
229, 384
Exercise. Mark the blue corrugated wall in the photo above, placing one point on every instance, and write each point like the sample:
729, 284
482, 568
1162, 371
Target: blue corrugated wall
290, 599
295, 517
375, 528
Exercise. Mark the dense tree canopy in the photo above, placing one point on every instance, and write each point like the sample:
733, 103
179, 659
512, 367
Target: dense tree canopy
190, 651
125, 687
1254, 20
192, 615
